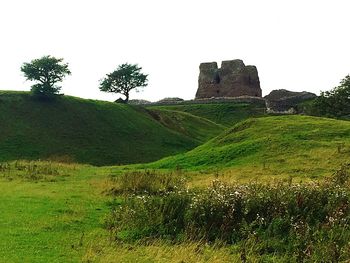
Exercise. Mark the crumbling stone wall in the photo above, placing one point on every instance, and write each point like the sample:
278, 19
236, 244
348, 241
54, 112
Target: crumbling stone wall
233, 79
285, 101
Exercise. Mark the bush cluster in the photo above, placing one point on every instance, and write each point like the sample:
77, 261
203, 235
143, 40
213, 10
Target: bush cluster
306, 221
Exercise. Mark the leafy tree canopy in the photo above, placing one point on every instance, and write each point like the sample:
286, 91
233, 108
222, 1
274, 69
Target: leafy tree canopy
335, 102
124, 79
46, 71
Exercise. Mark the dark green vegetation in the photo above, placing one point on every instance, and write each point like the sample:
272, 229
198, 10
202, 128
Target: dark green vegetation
124, 79
334, 103
226, 114
100, 133
293, 145
307, 223
47, 71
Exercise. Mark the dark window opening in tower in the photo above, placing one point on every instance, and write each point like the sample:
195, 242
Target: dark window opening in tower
217, 78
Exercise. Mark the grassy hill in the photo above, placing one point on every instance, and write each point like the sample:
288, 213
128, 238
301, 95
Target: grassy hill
54, 212
278, 145
95, 132
225, 113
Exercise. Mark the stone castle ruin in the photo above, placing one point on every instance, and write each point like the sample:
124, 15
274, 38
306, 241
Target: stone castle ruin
235, 82
233, 79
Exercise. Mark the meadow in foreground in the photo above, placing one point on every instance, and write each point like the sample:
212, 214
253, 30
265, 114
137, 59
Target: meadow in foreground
49, 211
302, 222
55, 212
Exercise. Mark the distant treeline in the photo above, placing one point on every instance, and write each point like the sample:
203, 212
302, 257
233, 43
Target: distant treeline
334, 103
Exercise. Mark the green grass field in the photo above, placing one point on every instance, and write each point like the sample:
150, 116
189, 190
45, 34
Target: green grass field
50, 220
60, 218
61, 211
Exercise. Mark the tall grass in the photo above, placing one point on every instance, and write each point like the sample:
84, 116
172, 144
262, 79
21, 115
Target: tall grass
147, 182
159, 251
309, 222
34, 170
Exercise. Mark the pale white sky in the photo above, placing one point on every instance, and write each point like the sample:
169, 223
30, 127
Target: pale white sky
295, 44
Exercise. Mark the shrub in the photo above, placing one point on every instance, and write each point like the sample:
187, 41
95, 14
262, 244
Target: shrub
149, 216
277, 218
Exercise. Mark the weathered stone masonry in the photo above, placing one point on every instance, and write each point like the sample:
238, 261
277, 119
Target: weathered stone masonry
233, 79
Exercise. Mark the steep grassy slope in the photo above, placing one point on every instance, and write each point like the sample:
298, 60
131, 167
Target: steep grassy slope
291, 145
95, 132
223, 113
187, 124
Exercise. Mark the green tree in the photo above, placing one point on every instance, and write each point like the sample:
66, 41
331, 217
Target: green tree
124, 79
336, 102
46, 71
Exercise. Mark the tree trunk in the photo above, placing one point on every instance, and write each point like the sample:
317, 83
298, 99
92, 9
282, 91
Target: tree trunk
126, 97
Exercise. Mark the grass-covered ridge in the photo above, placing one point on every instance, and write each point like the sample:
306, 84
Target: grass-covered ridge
95, 132
187, 124
225, 113
292, 145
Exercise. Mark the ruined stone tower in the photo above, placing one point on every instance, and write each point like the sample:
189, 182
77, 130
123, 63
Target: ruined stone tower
233, 79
